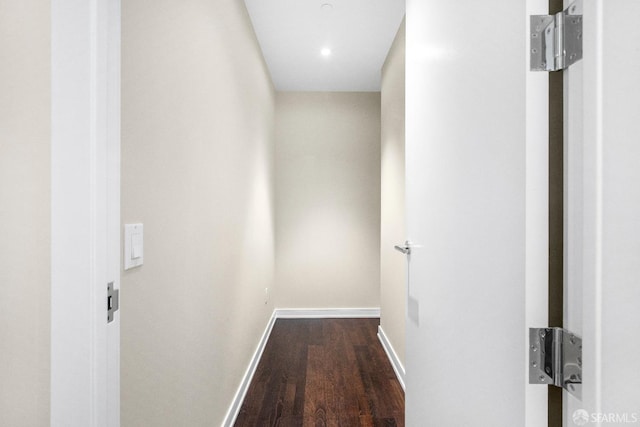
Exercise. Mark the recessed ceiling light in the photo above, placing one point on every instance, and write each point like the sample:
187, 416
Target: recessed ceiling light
326, 7
325, 51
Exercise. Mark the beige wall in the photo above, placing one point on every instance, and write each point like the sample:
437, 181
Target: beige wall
392, 232
197, 170
25, 232
328, 199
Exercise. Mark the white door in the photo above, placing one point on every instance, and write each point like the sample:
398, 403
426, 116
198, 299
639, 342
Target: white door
477, 198
85, 222
603, 213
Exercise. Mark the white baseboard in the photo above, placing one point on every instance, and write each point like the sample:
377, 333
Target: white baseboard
326, 313
234, 409
391, 354
288, 313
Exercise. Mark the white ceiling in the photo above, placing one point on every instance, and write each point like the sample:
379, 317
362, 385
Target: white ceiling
292, 34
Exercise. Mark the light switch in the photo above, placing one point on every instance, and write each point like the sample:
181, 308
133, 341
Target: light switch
133, 245
136, 245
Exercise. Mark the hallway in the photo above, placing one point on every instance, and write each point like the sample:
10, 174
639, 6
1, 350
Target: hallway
420, 191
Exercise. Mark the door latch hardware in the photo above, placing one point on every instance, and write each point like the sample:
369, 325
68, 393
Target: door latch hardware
113, 301
405, 249
555, 358
556, 40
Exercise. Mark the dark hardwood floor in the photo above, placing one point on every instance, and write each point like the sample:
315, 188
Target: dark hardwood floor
323, 372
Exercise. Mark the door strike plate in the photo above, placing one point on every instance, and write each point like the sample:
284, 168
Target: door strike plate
555, 358
113, 301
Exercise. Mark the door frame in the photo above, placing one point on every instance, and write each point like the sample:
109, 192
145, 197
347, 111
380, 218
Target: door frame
611, 207
85, 211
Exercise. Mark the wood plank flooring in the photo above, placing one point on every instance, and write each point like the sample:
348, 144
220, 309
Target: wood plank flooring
323, 372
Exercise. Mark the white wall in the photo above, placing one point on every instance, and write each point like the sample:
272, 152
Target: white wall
393, 264
197, 170
328, 199
25, 232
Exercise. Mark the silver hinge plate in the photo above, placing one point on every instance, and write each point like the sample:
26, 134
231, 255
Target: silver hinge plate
556, 40
113, 301
555, 358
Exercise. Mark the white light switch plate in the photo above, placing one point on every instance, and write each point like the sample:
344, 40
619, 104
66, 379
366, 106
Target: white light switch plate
133, 245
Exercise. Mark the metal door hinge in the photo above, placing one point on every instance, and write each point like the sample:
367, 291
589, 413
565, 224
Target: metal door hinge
113, 301
556, 40
555, 358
